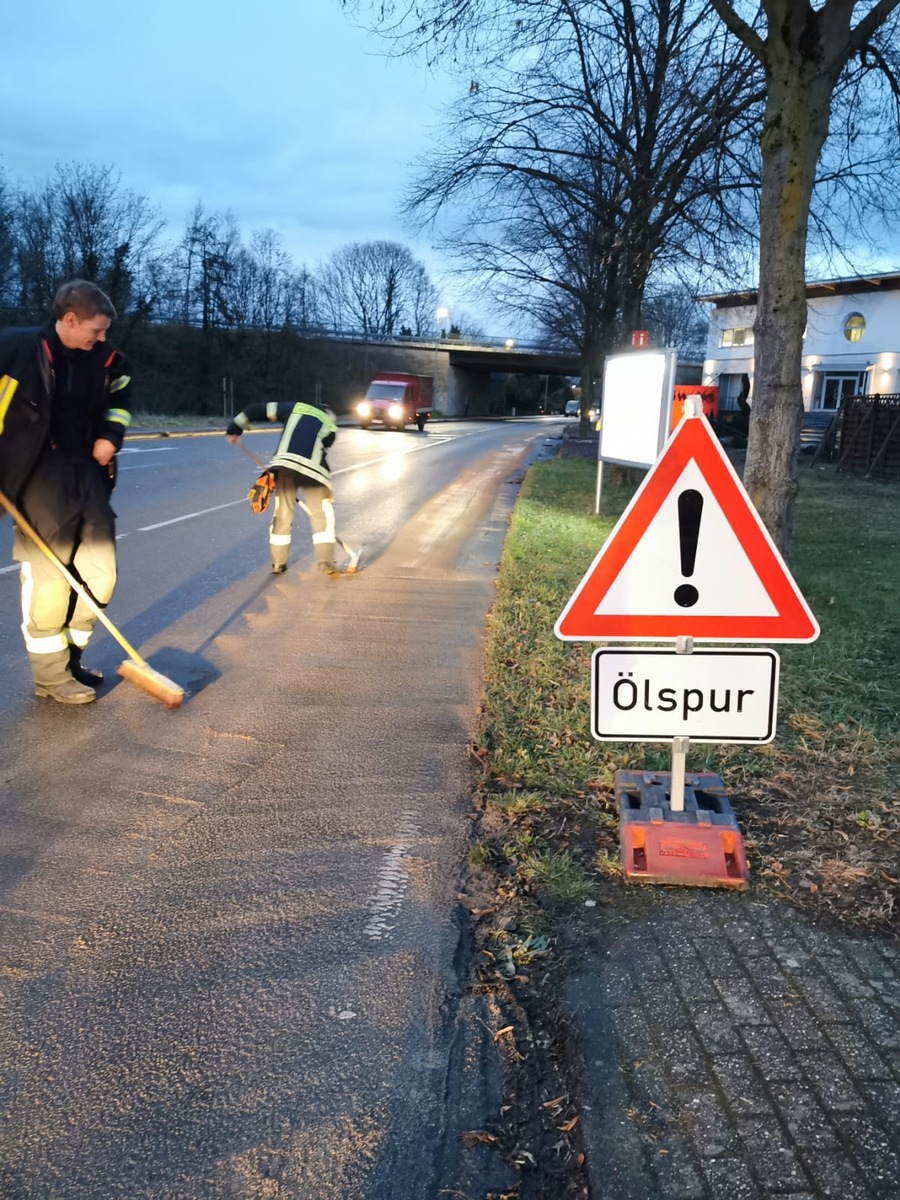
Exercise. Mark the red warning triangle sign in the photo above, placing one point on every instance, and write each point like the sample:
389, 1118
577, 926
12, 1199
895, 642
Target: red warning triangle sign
689, 557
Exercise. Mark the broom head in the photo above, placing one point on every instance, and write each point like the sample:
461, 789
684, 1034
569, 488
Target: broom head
151, 682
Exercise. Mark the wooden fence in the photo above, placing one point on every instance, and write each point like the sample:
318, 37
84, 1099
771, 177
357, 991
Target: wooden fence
865, 437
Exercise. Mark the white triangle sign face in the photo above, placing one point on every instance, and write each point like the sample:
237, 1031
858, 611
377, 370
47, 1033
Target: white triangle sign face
689, 557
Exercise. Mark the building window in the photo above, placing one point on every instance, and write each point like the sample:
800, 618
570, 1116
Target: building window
737, 337
854, 327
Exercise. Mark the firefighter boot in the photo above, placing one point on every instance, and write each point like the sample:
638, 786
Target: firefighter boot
70, 692
329, 568
83, 674
53, 680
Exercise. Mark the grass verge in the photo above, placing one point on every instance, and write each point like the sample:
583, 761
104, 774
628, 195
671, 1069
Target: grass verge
818, 807
143, 422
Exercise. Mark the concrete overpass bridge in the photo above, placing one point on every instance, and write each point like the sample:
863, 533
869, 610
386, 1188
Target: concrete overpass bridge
468, 375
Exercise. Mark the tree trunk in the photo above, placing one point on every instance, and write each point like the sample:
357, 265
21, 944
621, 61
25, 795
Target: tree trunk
588, 374
593, 354
794, 129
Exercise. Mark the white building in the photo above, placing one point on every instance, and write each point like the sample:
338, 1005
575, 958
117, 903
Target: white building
851, 345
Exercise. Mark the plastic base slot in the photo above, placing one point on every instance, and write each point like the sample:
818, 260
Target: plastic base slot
700, 846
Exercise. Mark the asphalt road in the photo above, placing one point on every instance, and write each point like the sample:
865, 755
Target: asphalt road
229, 956
191, 550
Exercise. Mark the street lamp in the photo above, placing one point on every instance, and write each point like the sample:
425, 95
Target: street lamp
441, 314
508, 346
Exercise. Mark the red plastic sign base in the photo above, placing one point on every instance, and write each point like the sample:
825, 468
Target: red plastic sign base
698, 847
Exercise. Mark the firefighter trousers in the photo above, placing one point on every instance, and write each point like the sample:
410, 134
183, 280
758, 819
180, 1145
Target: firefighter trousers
317, 500
53, 616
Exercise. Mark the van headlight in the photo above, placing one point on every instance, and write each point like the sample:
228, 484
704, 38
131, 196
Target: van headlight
395, 412
364, 409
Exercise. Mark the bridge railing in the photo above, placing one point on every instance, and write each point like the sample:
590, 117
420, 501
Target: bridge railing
447, 341
431, 341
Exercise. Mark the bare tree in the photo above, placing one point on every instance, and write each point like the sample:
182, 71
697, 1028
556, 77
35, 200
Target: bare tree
205, 261
273, 281
461, 324
242, 289
302, 301
81, 222
374, 287
575, 251
805, 51
422, 300
674, 317
38, 262
591, 152
7, 244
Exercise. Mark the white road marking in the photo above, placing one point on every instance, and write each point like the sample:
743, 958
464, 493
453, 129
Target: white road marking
140, 467
373, 462
188, 516
392, 882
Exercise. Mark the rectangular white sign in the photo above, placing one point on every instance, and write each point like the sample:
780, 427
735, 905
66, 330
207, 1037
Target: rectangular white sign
707, 696
637, 406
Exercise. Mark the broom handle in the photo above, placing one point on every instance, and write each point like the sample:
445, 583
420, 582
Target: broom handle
259, 462
70, 579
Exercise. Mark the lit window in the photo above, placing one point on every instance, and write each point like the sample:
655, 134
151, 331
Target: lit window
854, 327
737, 337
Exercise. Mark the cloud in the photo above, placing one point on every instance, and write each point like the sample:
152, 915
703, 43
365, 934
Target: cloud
283, 113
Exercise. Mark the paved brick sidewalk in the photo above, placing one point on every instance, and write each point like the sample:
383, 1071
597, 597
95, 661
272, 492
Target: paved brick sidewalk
734, 1049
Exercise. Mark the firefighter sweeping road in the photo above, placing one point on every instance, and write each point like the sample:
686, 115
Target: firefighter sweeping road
229, 956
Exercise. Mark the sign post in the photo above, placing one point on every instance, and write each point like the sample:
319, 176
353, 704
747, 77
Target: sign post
680, 745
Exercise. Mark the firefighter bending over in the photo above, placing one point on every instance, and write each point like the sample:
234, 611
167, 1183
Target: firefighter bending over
63, 416
298, 464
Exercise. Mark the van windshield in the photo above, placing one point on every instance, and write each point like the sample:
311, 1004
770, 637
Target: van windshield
386, 391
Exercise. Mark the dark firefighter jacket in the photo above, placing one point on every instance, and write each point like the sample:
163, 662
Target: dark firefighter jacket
308, 432
26, 397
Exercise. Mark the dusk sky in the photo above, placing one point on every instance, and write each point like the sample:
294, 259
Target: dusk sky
282, 111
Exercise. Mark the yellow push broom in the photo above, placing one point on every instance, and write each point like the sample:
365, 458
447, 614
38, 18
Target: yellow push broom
134, 669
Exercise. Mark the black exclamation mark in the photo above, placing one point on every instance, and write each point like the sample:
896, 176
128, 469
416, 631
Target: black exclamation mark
690, 508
